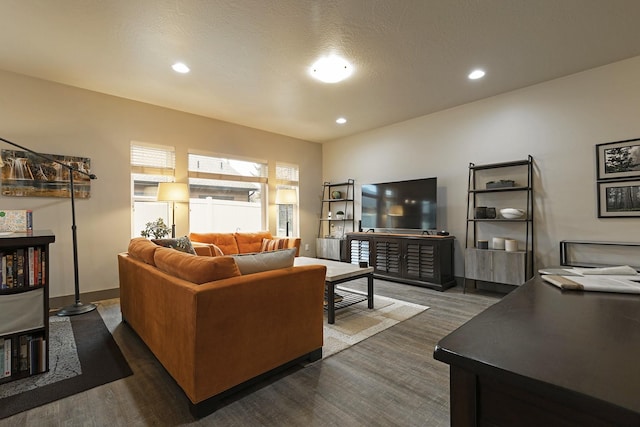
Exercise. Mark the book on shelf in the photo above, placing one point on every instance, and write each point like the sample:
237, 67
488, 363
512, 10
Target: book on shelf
22, 267
6, 357
16, 220
37, 355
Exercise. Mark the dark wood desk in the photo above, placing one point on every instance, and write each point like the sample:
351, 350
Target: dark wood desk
544, 357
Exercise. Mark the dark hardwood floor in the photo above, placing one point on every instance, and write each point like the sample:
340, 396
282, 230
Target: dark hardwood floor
390, 379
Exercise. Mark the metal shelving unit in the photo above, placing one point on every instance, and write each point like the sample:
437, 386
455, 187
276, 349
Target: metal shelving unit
491, 265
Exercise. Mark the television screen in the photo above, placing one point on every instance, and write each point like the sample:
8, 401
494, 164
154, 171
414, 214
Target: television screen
400, 205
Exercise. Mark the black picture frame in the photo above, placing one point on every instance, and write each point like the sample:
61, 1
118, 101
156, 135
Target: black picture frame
618, 160
619, 199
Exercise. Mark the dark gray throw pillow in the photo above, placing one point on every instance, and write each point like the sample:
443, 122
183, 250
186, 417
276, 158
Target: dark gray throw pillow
182, 244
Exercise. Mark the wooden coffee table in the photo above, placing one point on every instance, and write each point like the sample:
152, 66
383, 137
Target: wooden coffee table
340, 272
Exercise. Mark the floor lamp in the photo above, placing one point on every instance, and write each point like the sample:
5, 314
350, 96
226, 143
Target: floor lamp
173, 192
286, 196
78, 307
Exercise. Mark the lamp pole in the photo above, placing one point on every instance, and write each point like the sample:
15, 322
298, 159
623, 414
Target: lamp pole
78, 307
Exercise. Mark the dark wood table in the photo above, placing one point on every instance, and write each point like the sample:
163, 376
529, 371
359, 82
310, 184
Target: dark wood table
546, 357
337, 273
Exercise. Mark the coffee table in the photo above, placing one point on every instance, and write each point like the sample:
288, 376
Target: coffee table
340, 272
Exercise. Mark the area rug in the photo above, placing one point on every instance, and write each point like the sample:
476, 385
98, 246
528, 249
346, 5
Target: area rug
357, 322
82, 355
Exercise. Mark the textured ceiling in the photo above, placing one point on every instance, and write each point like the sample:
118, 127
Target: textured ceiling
249, 58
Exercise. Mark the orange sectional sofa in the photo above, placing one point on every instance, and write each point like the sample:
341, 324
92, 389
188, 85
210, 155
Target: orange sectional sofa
241, 243
214, 329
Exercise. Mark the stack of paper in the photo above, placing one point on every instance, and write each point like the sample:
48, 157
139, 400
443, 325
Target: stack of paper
623, 279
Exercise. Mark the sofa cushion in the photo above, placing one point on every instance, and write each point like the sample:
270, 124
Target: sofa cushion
195, 269
226, 242
143, 249
251, 242
273, 244
182, 244
264, 261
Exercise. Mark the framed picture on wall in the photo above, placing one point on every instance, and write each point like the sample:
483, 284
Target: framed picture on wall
618, 160
619, 199
24, 174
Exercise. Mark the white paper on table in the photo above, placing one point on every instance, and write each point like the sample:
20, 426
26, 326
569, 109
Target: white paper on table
605, 283
619, 270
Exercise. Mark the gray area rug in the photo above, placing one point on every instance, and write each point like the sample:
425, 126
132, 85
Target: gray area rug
357, 322
63, 360
99, 356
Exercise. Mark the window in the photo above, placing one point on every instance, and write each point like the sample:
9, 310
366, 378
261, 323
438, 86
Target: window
226, 194
150, 164
287, 179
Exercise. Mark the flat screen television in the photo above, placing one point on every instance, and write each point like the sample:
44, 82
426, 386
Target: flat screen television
400, 205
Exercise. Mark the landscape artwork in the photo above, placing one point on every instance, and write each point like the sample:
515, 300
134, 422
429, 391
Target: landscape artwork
25, 174
618, 160
619, 199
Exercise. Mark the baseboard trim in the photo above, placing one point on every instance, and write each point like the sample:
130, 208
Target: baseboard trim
58, 302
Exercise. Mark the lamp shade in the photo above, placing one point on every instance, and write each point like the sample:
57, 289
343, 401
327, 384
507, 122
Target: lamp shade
286, 196
173, 192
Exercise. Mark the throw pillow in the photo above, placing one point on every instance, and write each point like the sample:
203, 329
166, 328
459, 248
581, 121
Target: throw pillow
273, 244
183, 244
195, 269
265, 261
250, 242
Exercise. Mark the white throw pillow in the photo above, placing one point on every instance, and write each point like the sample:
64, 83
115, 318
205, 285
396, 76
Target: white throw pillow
265, 261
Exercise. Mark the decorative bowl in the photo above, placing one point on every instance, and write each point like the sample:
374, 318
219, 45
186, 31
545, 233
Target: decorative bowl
511, 213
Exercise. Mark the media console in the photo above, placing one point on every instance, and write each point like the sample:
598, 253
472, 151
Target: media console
422, 260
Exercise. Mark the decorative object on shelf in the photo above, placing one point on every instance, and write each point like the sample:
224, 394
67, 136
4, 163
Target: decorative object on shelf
82, 171
510, 245
618, 160
503, 183
491, 213
173, 192
498, 243
340, 215
511, 213
481, 212
336, 194
29, 174
156, 229
483, 244
16, 220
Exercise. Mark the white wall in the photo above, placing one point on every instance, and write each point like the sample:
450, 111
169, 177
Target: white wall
557, 122
57, 119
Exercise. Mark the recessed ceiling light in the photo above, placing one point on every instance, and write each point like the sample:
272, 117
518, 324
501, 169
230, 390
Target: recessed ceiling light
476, 74
331, 69
341, 120
179, 67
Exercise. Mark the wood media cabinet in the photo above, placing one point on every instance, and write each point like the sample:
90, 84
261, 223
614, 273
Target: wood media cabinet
422, 260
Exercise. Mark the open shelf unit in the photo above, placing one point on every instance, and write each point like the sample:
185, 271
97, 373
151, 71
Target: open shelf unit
24, 304
492, 264
332, 229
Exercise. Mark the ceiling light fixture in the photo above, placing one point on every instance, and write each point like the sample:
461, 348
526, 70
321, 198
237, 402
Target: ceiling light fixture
341, 120
476, 74
331, 69
181, 68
